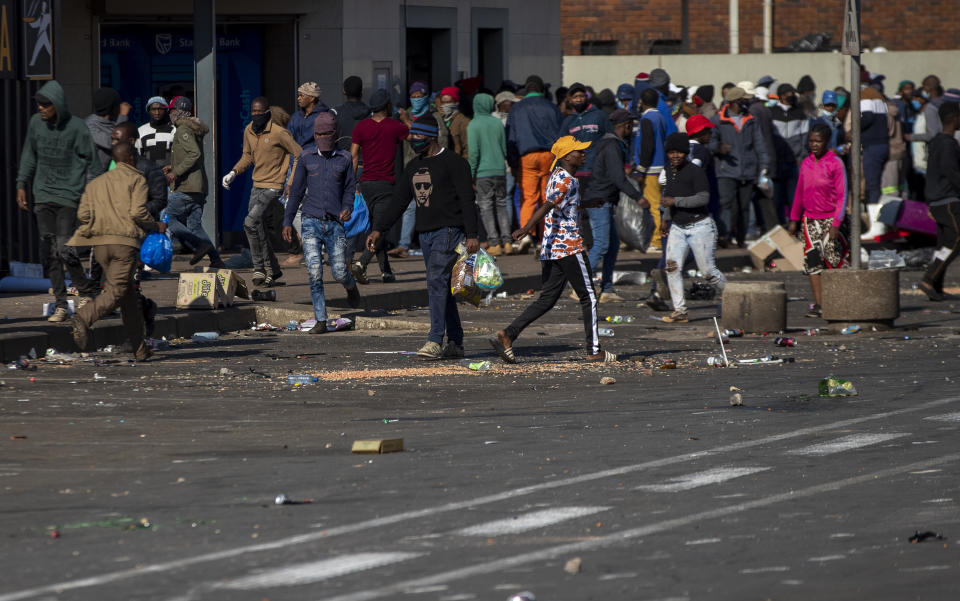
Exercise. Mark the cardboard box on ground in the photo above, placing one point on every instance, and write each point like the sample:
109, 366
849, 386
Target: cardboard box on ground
212, 289
777, 240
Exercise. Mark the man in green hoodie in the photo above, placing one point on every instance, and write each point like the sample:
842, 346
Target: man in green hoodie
58, 158
487, 152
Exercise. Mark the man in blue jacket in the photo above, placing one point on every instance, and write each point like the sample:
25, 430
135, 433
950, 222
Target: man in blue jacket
532, 127
586, 123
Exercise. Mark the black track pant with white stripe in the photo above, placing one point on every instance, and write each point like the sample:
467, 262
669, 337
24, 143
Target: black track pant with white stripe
576, 270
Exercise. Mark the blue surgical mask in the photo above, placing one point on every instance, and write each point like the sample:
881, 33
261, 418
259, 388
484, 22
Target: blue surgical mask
624, 104
916, 105
418, 106
925, 94
827, 113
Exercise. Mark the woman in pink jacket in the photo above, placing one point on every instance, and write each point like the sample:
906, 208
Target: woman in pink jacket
820, 201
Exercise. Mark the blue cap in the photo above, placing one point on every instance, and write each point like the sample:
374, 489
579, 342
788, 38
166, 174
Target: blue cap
829, 97
625, 91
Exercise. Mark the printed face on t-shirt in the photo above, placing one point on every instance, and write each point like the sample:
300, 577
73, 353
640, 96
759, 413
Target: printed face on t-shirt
422, 187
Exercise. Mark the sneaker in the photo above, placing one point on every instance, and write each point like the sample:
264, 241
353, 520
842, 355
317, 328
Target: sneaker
353, 297
59, 314
293, 260
656, 303
81, 333
200, 253
814, 311
452, 351
431, 350
398, 253
676, 317
388, 278
611, 297
258, 278
273, 280
495, 251
525, 243
359, 273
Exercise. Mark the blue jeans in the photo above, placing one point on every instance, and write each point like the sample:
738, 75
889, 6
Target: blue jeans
407, 226
606, 244
700, 238
439, 256
186, 221
318, 234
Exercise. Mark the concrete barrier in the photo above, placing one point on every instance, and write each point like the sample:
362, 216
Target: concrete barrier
862, 295
755, 306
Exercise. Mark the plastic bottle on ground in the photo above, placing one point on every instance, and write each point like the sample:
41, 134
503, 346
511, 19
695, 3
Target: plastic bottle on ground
205, 336
608, 332
850, 329
301, 379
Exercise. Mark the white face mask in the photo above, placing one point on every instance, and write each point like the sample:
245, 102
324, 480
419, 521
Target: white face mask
448, 109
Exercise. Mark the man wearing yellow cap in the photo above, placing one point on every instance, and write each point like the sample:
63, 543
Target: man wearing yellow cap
563, 254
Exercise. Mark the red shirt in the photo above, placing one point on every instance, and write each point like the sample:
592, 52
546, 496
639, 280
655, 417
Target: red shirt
378, 142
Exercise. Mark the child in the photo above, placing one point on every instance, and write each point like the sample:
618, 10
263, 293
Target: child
820, 200
686, 199
563, 254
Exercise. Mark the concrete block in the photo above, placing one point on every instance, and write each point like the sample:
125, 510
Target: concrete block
755, 306
871, 295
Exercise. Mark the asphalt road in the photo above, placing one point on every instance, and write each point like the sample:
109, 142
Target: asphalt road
661, 488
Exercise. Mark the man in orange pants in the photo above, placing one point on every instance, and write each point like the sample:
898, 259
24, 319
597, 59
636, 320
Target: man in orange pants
532, 127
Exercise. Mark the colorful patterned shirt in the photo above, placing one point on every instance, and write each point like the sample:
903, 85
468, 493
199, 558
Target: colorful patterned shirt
561, 227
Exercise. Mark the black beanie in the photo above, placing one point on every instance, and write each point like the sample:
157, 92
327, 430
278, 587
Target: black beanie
677, 141
353, 86
106, 101
806, 85
705, 93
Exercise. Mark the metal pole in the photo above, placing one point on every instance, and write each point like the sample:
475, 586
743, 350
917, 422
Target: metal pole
767, 26
855, 165
734, 27
205, 102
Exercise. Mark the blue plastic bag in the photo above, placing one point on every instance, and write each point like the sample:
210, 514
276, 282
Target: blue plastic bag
156, 252
359, 222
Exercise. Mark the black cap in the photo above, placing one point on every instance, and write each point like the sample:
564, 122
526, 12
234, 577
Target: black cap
621, 116
677, 141
576, 87
353, 86
379, 100
106, 101
785, 88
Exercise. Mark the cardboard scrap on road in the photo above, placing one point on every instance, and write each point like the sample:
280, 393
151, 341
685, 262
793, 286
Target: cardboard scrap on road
777, 240
385, 445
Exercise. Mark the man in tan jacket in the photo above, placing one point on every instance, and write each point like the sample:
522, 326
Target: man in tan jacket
113, 216
266, 147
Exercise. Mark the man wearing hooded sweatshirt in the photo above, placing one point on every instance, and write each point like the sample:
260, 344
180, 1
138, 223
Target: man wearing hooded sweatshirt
188, 182
57, 157
108, 111
791, 130
487, 142
156, 135
586, 123
267, 147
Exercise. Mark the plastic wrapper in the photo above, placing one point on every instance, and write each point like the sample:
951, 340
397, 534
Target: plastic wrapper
463, 284
634, 224
832, 387
485, 272
885, 259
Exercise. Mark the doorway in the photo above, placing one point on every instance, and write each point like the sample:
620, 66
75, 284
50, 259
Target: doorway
490, 56
429, 55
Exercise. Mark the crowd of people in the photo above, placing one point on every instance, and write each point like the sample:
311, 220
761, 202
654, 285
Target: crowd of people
509, 170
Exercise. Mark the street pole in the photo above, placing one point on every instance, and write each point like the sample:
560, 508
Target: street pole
205, 101
851, 47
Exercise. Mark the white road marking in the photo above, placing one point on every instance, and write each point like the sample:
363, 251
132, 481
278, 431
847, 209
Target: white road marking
528, 521
926, 569
618, 575
827, 558
704, 478
947, 417
315, 571
703, 541
847, 443
765, 570
431, 512
938, 501
551, 553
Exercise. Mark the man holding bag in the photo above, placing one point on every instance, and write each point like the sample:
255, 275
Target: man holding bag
113, 216
326, 207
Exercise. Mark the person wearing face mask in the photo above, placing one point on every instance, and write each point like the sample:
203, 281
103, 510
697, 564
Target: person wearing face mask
587, 123
926, 125
266, 147
326, 204
156, 135
625, 97
449, 108
791, 130
828, 116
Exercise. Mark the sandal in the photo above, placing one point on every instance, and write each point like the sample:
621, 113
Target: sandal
603, 357
506, 353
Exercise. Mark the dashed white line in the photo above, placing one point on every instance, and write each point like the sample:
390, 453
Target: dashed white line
847, 443
528, 521
704, 478
316, 571
946, 417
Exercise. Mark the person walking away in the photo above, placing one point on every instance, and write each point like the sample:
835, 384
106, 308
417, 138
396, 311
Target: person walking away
114, 219
350, 112
926, 126
741, 156
562, 256
791, 128
875, 139
609, 181
819, 207
326, 204
58, 156
649, 157
439, 180
487, 141
377, 137
108, 111
448, 103
686, 199
267, 147
532, 127
187, 178
156, 135
943, 197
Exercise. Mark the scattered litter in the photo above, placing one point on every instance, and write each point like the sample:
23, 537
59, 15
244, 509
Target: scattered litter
109, 349
607, 332
33, 353
734, 333
502, 294
765, 360
292, 325
736, 397
637, 278
125, 523
339, 324
621, 318
97, 376
833, 387
301, 379
716, 361
385, 445
265, 327
54, 534
307, 325
475, 365
283, 499
572, 566
747, 269
783, 341
159, 344
52, 356
850, 329
723, 349
607, 381
811, 332
885, 259
919, 537
669, 364
263, 295
226, 371
205, 336
22, 363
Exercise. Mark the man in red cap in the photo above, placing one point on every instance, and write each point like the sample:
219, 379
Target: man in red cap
448, 103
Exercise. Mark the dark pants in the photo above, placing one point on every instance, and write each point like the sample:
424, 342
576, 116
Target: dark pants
555, 275
258, 211
119, 267
735, 197
186, 221
874, 159
439, 256
947, 217
377, 195
56, 224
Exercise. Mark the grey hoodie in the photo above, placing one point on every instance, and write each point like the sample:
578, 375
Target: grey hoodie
100, 130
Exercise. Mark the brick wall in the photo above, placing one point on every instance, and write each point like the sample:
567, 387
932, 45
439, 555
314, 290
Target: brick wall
635, 25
